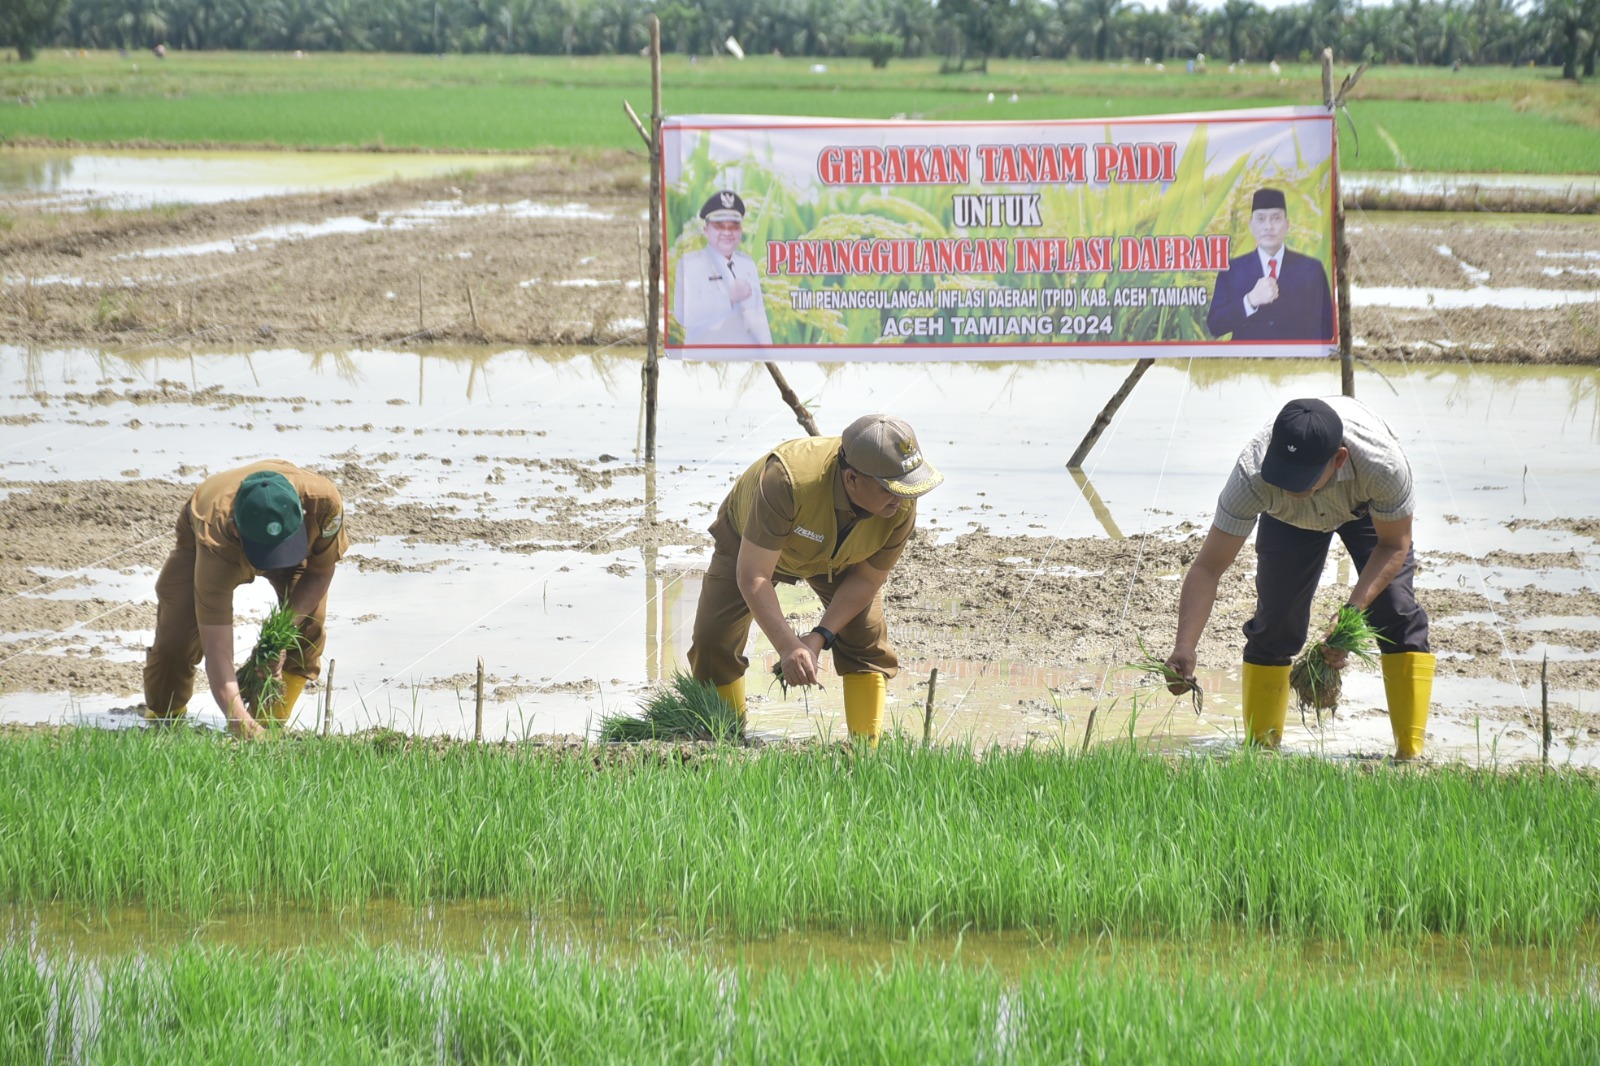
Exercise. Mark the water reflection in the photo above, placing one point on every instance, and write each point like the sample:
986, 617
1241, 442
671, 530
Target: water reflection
488, 927
139, 178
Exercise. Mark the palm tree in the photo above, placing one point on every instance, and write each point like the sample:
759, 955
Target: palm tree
1101, 21
1234, 22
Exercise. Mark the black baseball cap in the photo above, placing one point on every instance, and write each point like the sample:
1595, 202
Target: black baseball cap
1305, 436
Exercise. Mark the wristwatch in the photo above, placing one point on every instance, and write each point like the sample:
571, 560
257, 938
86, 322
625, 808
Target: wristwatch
828, 637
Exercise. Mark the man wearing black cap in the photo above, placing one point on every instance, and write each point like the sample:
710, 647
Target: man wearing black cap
270, 518
1272, 294
835, 512
718, 297
1322, 467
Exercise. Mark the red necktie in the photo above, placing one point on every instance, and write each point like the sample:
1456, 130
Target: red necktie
1272, 269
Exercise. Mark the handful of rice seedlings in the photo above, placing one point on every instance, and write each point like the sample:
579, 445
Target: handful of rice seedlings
257, 685
1317, 685
681, 709
778, 679
1147, 663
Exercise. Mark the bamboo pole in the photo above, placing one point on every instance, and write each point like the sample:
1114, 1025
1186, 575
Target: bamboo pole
652, 359
1341, 245
927, 710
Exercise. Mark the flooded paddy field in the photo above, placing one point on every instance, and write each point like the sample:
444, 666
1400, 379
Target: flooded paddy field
498, 508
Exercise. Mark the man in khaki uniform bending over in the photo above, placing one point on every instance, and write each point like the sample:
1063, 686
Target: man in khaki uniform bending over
269, 518
834, 512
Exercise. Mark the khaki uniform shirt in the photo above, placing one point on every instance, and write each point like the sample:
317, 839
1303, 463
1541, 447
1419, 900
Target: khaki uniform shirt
1376, 479
220, 564
793, 501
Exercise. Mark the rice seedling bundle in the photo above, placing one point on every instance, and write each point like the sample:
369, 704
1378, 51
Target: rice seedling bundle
258, 686
1147, 663
1317, 686
681, 709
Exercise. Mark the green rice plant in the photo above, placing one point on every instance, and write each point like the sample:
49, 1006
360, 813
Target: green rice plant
1148, 663
260, 685
681, 709
1317, 685
755, 841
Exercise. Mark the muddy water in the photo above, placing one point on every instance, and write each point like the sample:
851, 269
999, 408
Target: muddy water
588, 601
121, 179
487, 928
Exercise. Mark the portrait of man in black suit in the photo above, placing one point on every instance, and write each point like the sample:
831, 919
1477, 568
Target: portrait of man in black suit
1272, 294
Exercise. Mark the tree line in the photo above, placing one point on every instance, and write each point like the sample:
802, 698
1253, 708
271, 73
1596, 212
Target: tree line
963, 32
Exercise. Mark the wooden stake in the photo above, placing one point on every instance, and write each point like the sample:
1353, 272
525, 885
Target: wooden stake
327, 701
927, 712
634, 118
1107, 413
1544, 713
420, 326
477, 718
801, 415
472, 307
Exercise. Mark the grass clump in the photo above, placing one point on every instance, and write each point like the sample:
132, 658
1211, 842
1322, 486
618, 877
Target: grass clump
1317, 685
681, 709
259, 686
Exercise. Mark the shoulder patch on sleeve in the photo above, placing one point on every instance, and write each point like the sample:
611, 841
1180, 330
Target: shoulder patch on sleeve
331, 527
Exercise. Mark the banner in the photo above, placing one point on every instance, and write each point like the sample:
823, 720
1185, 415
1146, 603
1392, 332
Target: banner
832, 240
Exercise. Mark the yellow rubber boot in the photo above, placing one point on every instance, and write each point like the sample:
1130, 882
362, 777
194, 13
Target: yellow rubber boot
733, 694
863, 704
152, 716
280, 709
1408, 686
1266, 703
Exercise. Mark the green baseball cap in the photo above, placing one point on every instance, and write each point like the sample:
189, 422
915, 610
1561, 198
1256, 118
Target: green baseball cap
271, 521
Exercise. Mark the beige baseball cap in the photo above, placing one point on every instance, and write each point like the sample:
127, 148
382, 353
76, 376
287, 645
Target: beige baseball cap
886, 448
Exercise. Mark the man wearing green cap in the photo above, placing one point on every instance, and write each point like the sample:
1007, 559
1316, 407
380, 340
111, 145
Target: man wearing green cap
1272, 293
834, 512
269, 518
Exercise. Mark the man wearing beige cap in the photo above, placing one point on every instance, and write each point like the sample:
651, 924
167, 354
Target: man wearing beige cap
835, 512
270, 518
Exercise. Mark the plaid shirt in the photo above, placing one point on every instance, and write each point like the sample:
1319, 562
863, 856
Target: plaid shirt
1376, 479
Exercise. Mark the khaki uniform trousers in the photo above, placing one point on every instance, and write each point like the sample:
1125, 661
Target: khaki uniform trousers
175, 652
722, 627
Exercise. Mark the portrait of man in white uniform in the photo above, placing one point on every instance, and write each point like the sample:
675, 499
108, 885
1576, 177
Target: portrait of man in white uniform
718, 297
